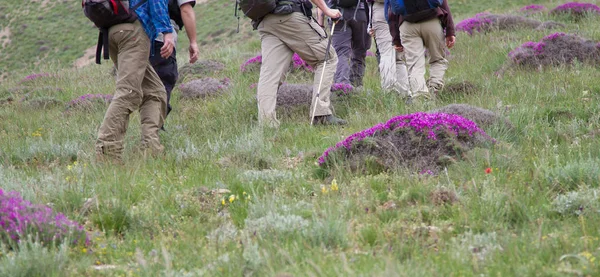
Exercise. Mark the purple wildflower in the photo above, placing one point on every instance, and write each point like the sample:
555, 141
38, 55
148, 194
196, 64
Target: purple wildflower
255, 60
427, 123
370, 54
529, 9
299, 63
554, 36
576, 8
478, 23
34, 76
19, 218
427, 172
342, 88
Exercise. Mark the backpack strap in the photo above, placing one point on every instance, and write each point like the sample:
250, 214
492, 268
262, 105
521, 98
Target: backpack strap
102, 43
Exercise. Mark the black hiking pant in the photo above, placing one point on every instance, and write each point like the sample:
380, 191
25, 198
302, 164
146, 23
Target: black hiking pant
166, 70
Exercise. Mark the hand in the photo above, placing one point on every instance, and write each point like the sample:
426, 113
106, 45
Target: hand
450, 41
168, 46
333, 13
193, 52
399, 48
371, 32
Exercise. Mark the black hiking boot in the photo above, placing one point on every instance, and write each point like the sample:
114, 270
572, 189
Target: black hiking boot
328, 120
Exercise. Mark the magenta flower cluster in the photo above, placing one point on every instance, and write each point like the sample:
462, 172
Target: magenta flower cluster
576, 8
533, 9
342, 88
88, 98
34, 76
537, 47
19, 219
554, 36
427, 123
299, 63
251, 61
477, 23
370, 54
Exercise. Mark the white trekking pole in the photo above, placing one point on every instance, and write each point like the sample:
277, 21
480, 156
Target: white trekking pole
312, 117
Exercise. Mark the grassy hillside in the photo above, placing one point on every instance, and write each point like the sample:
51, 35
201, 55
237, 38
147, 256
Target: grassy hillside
57, 34
526, 206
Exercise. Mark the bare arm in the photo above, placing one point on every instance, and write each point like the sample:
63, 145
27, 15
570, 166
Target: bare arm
189, 21
320, 17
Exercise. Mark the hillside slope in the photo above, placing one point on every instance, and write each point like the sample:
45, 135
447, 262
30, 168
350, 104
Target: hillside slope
229, 198
56, 34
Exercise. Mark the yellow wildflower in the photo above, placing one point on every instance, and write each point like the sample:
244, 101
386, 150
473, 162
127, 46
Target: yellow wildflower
324, 189
586, 254
69, 167
334, 185
83, 250
231, 198
223, 201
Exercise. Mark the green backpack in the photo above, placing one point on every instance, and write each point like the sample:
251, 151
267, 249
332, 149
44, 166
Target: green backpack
256, 9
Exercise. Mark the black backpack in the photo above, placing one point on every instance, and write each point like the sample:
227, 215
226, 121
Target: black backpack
175, 13
345, 3
105, 14
256, 9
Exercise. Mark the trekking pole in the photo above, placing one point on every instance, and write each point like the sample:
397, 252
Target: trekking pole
312, 117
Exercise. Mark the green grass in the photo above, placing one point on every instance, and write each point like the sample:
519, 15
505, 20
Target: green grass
536, 214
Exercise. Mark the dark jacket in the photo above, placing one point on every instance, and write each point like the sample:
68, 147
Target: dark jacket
443, 13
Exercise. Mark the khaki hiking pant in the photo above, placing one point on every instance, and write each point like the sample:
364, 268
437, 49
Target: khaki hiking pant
392, 66
416, 37
137, 87
281, 36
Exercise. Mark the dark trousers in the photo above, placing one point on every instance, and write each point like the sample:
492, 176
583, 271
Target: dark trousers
351, 42
166, 70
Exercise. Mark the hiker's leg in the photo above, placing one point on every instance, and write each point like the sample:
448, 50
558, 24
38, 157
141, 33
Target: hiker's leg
410, 35
402, 85
360, 44
433, 37
342, 43
387, 60
307, 39
152, 110
166, 70
276, 58
129, 44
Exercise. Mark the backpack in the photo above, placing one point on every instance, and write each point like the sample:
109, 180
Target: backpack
256, 9
105, 14
408, 7
345, 3
175, 13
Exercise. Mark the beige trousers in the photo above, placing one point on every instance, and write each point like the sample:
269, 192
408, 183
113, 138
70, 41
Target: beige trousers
392, 66
416, 37
137, 87
281, 36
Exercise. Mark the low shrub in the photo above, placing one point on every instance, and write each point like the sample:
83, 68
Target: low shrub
532, 9
418, 141
576, 9
556, 49
20, 219
486, 22
204, 87
88, 101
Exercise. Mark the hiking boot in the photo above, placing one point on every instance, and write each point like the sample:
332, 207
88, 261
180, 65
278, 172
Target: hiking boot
328, 120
